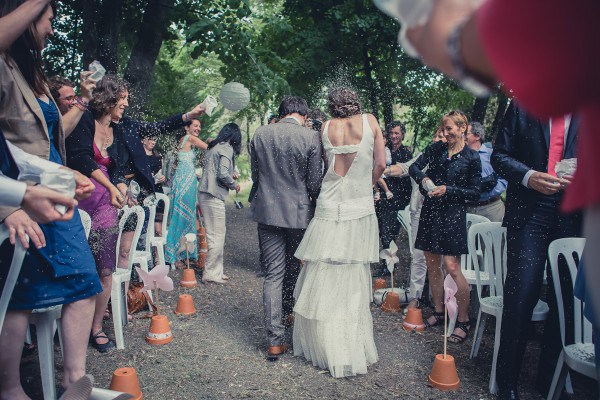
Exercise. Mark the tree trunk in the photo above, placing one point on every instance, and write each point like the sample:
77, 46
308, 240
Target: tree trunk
479, 109
368, 69
497, 124
387, 101
101, 26
145, 51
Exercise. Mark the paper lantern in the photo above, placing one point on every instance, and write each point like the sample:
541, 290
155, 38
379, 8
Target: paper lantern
234, 96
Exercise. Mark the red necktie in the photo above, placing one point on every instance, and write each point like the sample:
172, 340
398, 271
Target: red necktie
557, 143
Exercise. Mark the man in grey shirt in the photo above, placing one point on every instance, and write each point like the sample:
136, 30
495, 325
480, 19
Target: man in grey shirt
286, 172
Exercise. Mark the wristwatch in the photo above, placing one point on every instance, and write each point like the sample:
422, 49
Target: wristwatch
461, 74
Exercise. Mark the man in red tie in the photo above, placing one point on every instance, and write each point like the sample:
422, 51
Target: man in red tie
525, 154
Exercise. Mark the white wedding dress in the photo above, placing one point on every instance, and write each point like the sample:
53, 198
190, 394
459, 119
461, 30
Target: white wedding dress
333, 326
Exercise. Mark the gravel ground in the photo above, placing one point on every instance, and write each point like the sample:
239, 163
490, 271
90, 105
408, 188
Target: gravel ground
219, 352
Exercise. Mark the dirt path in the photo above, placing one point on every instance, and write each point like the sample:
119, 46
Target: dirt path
219, 353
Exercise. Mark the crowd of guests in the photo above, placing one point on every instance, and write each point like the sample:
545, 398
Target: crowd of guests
307, 198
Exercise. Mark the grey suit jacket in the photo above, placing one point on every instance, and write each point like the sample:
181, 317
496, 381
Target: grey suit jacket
287, 171
21, 118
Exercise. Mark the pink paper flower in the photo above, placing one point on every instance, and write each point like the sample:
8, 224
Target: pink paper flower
158, 277
450, 290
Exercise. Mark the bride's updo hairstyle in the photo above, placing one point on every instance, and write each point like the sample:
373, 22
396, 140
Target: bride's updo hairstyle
343, 102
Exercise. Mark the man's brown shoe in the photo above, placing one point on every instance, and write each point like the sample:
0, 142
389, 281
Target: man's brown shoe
277, 350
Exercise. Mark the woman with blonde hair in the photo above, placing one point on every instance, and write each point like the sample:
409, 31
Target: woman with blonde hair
453, 176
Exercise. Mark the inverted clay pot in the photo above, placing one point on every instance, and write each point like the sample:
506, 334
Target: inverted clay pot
379, 283
188, 279
185, 305
160, 331
413, 320
379, 294
126, 380
391, 303
443, 375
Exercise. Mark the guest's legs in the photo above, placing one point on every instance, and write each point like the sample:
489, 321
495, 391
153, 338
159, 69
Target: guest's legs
292, 269
124, 248
75, 324
453, 268
436, 282
273, 241
214, 221
100, 306
11, 347
418, 265
527, 249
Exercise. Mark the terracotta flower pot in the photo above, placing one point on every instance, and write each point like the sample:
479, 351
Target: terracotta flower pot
201, 260
391, 303
413, 320
443, 375
380, 283
188, 280
160, 331
126, 380
185, 305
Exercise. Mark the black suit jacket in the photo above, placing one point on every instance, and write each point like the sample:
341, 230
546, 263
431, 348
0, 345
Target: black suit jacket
522, 145
127, 152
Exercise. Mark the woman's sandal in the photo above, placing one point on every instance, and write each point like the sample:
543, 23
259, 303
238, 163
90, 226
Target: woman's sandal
104, 347
439, 319
463, 326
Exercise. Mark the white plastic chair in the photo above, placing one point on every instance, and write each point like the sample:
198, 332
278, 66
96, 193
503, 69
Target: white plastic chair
404, 218
13, 273
466, 259
122, 275
579, 356
86, 220
47, 321
491, 237
467, 265
161, 241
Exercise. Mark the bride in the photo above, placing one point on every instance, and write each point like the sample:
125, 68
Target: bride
333, 326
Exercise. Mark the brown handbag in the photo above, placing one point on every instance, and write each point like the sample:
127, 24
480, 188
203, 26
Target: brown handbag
136, 299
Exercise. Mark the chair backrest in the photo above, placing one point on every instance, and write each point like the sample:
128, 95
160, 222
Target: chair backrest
138, 211
571, 249
150, 202
13, 273
86, 220
167, 201
466, 259
490, 239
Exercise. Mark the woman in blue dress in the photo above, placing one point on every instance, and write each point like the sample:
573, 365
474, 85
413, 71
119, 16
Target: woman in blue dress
63, 272
183, 192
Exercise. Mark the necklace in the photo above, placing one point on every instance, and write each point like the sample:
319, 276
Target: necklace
107, 135
456, 149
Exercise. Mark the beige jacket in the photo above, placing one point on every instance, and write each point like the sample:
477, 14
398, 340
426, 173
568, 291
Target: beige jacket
21, 118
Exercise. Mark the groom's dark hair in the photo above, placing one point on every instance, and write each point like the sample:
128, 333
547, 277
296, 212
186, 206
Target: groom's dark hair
293, 104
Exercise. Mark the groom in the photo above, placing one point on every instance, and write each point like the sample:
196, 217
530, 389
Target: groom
286, 175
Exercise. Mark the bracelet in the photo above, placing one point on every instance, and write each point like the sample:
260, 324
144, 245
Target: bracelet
464, 77
80, 106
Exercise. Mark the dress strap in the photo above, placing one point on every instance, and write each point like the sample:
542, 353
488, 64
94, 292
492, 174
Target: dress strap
185, 139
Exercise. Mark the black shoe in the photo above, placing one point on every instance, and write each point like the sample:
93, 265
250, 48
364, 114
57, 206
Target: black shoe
510, 394
102, 348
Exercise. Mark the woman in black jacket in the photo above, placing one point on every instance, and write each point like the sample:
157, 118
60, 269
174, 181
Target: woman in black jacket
453, 176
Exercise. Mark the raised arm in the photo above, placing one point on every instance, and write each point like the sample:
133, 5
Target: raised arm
378, 150
15, 23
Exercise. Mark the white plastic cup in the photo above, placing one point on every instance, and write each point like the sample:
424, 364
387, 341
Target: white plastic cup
97, 69
209, 104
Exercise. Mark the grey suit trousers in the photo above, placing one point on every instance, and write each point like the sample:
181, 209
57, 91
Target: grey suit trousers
278, 246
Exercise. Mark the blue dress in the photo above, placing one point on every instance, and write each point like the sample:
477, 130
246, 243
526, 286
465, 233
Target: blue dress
62, 272
183, 204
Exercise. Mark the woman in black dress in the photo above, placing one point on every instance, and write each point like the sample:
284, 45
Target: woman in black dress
452, 177
155, 160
